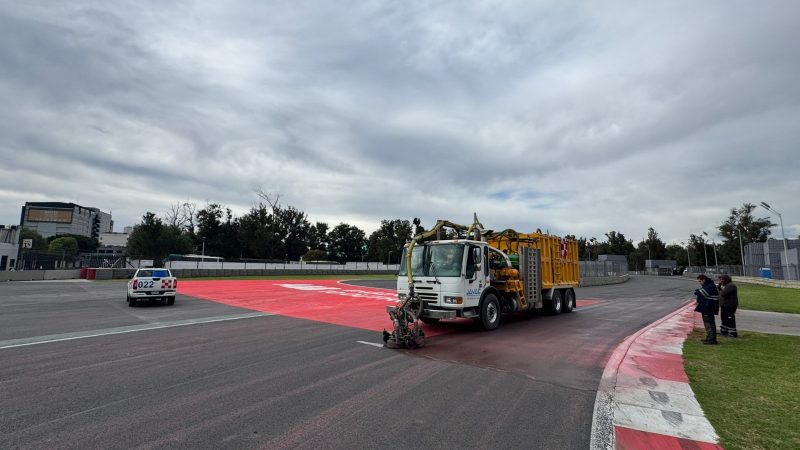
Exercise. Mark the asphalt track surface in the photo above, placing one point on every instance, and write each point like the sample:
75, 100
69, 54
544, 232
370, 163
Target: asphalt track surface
80, 369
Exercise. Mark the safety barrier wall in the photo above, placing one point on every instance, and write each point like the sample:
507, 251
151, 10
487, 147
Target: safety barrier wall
602, 281
38, 275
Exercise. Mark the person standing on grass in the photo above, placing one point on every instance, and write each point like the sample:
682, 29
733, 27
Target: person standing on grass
708, 306
728, 302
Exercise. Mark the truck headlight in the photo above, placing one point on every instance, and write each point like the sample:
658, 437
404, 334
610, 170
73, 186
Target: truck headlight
453, 300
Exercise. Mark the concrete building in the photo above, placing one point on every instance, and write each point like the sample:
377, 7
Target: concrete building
56, 218
621, 259
660, 264
9, 246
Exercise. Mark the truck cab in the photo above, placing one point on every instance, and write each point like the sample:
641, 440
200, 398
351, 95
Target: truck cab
449, 277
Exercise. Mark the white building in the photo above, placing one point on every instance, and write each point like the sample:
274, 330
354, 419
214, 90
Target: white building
9, 246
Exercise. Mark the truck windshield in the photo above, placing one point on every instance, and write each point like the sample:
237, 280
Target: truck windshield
441, 260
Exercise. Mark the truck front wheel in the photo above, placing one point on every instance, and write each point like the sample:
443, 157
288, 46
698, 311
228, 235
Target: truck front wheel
430, 320
490, 313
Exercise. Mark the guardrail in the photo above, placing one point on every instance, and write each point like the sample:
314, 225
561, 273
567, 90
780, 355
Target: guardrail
40, 275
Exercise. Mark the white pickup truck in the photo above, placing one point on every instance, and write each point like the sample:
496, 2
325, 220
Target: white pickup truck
148, 284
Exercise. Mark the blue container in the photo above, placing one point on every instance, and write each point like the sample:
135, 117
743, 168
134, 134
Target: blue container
766, 272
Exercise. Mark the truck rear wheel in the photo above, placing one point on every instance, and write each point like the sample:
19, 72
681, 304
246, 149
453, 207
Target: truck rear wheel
556, 303
131, 302
569, 300
490, 313
170, 301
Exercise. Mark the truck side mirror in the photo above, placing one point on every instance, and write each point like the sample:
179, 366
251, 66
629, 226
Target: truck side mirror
477, 256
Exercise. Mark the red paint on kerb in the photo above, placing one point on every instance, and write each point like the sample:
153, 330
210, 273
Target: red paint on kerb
629, 439
326, 301
660, 365
580, 303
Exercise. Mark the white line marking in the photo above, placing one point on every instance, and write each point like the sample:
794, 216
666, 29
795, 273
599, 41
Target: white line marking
13, 343
370, 343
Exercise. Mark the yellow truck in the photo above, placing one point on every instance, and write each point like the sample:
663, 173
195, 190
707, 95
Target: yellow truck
480, 274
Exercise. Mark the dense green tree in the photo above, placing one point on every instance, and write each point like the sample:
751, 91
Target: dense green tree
65, 245
85, 244
418, 228
741, 222
656, 248
318, 236
388, 240
617, 244
347, 243
151, 239
316, 255
39, 242
258, 234
143, 240
677, 253
294, 230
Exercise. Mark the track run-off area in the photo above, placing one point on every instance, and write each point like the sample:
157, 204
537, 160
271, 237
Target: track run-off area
283, 364
329, 301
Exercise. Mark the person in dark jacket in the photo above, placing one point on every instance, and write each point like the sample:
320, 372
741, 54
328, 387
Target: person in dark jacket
708, 306
728, 302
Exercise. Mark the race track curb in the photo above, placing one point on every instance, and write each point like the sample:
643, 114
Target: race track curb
644, 400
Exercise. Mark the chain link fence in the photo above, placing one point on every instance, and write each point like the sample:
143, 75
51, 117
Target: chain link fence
771, 271
591, 269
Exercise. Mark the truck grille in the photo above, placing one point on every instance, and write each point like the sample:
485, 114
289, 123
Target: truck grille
426, 293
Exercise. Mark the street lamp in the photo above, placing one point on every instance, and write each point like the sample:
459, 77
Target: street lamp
705, 250
688, 258
741, 248
783, 235
714, 246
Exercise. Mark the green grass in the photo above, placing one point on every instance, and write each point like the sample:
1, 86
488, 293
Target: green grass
748, 388
301, 277
769, 298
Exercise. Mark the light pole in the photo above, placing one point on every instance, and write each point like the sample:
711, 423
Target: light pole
713, 246
389, 258
741, 248
783, 235
688, 258
705, 251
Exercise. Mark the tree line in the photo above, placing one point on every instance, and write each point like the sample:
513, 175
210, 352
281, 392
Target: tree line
269, 231
740, 228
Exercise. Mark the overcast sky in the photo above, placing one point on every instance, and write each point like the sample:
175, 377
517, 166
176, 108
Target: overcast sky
550, 115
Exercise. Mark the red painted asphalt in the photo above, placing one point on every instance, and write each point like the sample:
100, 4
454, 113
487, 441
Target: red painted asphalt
629, 439
328, 301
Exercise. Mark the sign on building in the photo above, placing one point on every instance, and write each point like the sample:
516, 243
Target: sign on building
27, 243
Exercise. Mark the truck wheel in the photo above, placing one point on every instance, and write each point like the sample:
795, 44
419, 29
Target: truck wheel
131, 302
490, 313
430, 320
171, 301
555, 305
569, 300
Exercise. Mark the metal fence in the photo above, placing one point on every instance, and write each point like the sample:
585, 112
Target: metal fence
602, 268
291, 265
773, 271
